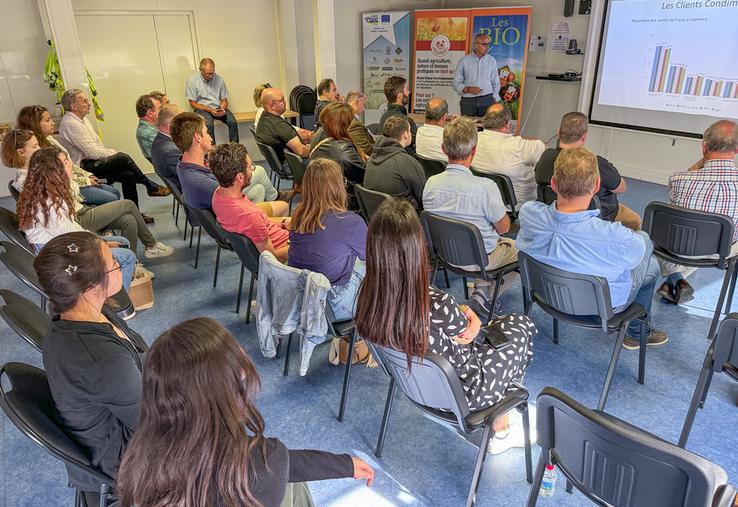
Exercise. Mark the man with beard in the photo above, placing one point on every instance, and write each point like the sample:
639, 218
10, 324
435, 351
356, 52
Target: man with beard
398, 97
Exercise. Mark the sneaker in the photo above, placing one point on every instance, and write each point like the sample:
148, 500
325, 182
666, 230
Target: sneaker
656, 338
666, 291
159, 191
481, 303
513, 438
158, 250
683, 292
147, 219
141, 271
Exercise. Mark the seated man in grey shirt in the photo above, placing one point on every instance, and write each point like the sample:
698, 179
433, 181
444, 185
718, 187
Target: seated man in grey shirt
208, 97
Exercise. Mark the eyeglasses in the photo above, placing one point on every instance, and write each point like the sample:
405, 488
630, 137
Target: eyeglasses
485, 44
116, 266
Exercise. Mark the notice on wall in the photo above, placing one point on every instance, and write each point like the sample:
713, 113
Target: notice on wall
386, 52
560, 37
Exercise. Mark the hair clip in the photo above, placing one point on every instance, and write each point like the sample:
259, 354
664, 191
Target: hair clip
73, 248
71, 270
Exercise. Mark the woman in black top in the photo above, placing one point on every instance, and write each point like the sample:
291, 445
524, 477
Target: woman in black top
201, 439
93, 360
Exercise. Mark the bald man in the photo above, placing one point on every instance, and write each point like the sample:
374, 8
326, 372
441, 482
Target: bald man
429, 137
277, 132
499, 151
476, 79
208, 97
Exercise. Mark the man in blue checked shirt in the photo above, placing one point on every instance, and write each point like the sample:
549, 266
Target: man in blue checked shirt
476, 79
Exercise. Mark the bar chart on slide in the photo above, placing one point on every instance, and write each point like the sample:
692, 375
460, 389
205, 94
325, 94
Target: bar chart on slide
669, 76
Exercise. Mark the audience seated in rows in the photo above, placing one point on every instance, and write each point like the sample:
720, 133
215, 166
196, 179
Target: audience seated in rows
573, 134
327, 94
87, 150
328, 239
275, 131
38, 120
164, 153
398, 97
200, 437
424, 319
207, 95
709, 185
567, 235
429, 137
391, 169
147, 110
360, 135
235, 212
456, 193
499, 151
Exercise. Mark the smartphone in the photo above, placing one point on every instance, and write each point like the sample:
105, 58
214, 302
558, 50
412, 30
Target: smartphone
494, 336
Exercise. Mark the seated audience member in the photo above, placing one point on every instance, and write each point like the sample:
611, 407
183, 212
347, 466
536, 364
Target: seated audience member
391, 169
398, 97
336, 145
164, 153
37, 119
198, 182
573, 134
235, 212
257, 102
160, 96
710, 185
568, 236
17, 148
499, 151
87, 150
187, 455
456, 193
275, 131
327, 94
93, 360
147, 109
429, 137
208, 96
360, 135
328, 239
398, 309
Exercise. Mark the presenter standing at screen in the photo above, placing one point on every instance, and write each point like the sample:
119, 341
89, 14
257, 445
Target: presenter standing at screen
476, 79
208, 96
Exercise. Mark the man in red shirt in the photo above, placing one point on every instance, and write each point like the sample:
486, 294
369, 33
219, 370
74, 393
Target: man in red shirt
231, 165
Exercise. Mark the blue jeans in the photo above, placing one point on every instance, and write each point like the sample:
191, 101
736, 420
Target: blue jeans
342, 298
644, 279
227, 118
101, 194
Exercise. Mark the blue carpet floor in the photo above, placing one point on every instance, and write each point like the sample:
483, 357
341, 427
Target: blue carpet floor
424, 463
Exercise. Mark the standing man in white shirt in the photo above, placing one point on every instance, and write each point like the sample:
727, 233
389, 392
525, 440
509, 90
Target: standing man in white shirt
208, 97
429, 137
87, 150
501, 152
476, 79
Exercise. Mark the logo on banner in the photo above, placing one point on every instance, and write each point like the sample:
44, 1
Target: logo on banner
440, 45
372, 19
385, 18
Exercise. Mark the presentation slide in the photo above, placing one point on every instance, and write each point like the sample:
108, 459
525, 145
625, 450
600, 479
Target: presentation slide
675, 61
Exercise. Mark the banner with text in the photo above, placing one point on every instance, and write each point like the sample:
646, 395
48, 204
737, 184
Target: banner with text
386, 52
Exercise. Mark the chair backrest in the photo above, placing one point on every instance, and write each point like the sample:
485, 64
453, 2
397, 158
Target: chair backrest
565, 294
681, 232
271, 157
252, 129
9, 227
206, 219
245, 249
455, 242
303, 99
20, 263
308, 121
295, 162
179, 196
546, 195
13, 191
504, 183
29, 405
25, 318
373, 128
431, 167
615, 463
725, 352
431, 383
369, 200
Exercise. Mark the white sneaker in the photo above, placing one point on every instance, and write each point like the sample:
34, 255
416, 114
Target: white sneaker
515, 436
141, 271
158, 250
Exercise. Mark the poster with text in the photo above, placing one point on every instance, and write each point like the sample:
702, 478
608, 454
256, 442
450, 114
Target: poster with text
386, 52
441, 41
509, 29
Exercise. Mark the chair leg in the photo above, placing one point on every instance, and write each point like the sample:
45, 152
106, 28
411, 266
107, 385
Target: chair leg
346, 377
537, 480
698, 397
556, 331
495, 294
707, 388
526, 436
435, 270
251, 296
611, 367
176, 216
174, 202
104, 494
479, 464
217, 265
466, 288
197, 250
721, 300
240, 290
731, 291
77, 498
642, 354
385, 418
445, 276
287, 356
185, 229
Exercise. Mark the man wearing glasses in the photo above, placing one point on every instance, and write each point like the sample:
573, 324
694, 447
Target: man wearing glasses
476, 79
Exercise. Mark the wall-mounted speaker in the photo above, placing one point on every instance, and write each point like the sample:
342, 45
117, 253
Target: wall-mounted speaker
568, 8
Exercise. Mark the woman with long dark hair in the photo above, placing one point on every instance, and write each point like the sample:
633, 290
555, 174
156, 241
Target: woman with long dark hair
397, 308
200, 438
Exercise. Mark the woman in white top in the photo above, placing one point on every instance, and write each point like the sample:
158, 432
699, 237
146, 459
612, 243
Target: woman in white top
17, 148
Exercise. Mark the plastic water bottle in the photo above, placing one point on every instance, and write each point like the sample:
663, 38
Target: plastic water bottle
548, 484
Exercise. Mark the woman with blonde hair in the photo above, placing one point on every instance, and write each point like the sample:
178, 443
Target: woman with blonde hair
257, 101
328, 239
17, 147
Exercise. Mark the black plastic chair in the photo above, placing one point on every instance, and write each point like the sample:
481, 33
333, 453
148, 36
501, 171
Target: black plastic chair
297, 167
249, 256
722, 356
431, 167
274, 164
30, 407
179, 197
373, 128
25, 318
13, 191
456, 243
207, 221
679, 233
369, 200
616, 464
582, 300
546, 195
434, 387
507, 191
9, 227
